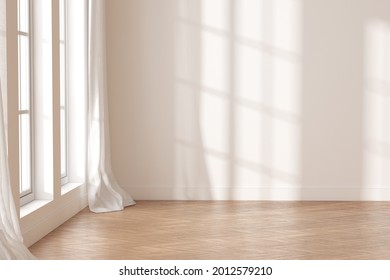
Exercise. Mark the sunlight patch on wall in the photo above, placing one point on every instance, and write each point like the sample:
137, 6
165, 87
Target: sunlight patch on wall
215, 14
249, 136
267, 93
218, 170
214, 122
238, 94
214, 61
190, 170
377, 106
249, 77
287, 25
249, 19
286, 81
250, 177
286, 141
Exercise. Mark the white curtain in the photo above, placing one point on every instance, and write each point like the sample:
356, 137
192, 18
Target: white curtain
11, 242
104, 193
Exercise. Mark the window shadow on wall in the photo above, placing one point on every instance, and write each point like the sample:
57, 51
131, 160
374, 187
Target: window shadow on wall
376, 149
237, 98
248, 99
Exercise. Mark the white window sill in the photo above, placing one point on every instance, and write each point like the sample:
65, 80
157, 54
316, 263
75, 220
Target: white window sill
68, 187
33, 206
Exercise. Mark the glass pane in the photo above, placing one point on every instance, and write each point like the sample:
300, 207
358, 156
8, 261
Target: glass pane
24, 153
23, 15
62, 76
24, 73
62, 20
63, 144
63, 104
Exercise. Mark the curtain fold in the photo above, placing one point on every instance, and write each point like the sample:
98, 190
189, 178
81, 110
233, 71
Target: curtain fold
104, 193
11, 242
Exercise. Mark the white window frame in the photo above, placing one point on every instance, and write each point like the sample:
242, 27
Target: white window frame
27, 195
64, 90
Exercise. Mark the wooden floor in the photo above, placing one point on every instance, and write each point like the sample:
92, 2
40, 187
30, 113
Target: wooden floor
225, 230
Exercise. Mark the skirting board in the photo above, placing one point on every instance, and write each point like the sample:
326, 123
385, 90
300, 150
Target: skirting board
276, 194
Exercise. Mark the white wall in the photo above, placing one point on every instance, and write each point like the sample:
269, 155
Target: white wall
254, 99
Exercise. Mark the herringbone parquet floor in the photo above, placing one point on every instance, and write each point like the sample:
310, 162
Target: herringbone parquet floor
225, 230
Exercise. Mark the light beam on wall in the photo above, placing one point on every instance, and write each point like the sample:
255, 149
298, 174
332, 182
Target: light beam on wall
238, 90
377, 109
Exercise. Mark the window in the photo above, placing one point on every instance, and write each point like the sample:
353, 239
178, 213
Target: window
51, 98
47, 104
63, 93
25, 102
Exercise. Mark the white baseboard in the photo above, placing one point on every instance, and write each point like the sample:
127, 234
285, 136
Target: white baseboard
39, 223
268, 193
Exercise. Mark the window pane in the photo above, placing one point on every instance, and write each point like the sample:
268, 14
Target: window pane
62, 20
24, 73
23, 15
25, 153
62, 76
63, 144
63, 90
